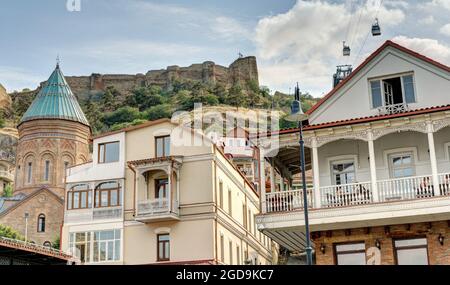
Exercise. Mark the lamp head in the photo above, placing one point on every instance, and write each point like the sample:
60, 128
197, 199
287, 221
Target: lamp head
297, 113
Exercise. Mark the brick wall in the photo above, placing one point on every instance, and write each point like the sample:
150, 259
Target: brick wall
437, 253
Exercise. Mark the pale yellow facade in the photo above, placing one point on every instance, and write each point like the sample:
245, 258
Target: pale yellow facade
207, 208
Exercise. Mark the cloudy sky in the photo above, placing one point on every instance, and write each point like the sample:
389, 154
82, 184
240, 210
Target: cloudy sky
293, 40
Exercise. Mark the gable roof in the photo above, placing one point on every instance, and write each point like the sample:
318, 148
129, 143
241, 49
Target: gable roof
23, 199
55, 101
369, 59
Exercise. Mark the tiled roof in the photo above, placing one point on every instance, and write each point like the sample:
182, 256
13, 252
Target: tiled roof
55, 101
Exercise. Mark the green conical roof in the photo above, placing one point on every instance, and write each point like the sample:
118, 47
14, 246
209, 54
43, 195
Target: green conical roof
55, 101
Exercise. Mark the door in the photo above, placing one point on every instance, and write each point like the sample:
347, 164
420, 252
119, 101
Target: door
388, 93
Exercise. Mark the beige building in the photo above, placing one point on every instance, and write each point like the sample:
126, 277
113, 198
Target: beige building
53, 135
150, 196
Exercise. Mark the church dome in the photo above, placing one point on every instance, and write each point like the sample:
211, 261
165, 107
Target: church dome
55, 101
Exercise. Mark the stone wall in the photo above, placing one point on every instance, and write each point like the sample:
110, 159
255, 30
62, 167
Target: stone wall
5, 100
437, 254
242, 71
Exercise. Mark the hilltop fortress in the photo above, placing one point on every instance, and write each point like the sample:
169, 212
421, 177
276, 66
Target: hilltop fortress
241, 71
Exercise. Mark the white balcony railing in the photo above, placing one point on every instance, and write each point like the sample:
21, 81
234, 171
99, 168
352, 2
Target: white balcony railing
444, 183
6, 175
95, 214
346, 195
288, 200
405, 188
393, 109
156, 207
391, 190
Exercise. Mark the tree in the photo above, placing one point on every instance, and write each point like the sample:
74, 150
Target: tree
8, 191
236, 96
145, 97
121, 115
108, 100
56, 242
8, 232
158, 112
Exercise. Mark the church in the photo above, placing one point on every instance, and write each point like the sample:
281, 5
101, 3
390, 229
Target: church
54, 134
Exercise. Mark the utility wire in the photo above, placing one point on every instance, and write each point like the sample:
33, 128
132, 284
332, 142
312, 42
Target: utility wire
367, 36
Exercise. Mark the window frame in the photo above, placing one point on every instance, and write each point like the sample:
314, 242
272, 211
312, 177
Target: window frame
158, 183
47, 164
100, 145
396, 248
41, 223
98, 193
164, 152
30, 172
342, 161
336, 253
164, 242
391, 167
71, 192
391, 76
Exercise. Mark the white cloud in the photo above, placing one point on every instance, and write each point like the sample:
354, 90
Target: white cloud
15, 79
229, 29
427, 20
445, 30
305, 43
430, 47
441, 3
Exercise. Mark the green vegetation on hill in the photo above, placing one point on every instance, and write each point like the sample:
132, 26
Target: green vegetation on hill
111, 110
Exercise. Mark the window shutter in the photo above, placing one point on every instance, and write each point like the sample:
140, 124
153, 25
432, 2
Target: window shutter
376, 93
408, 86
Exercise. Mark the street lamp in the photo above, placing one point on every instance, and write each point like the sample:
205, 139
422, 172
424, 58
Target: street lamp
297, 115
26, 226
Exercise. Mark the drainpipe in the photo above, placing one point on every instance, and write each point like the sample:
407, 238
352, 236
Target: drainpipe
216, 255
134, 188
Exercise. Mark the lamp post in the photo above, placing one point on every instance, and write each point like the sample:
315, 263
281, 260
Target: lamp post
26, 226
297, 115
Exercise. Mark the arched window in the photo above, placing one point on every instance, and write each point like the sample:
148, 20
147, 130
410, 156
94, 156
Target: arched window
107, 194
41, 223
79, 197
47, 244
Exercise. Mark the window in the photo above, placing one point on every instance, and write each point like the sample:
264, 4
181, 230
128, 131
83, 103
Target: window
221, 194
343, 172
108, 152
79, 197
161, 188
401, 165
47, 170
30, 172
230, 202
393, 91
222, 249
107, 195
162, 146
163, 247
98, 246
350, 254
411, 251
41, 223
250, 220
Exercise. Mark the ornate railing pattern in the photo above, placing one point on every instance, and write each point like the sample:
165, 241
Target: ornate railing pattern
405, 188
157, 207
87, 215
346, 195
391, 190
288, 200
393, 109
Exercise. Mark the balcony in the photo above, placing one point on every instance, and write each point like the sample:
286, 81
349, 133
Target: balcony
92, 214
5, 175
393, 109
157, 210
360, 194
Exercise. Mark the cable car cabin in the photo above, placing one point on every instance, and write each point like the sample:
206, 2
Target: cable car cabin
376, 31
346, 50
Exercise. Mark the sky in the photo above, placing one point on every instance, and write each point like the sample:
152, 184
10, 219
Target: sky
294, 41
